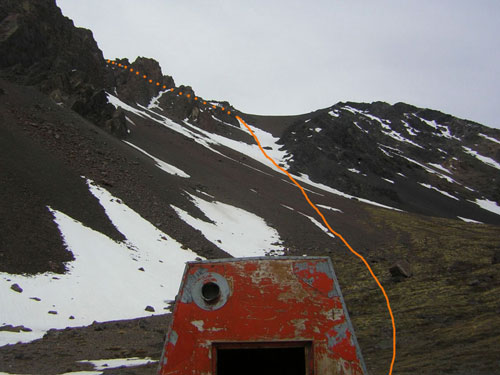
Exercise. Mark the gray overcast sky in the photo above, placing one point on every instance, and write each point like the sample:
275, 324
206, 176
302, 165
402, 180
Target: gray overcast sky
290, 57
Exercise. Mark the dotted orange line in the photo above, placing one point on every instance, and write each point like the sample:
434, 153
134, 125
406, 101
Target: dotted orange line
149, 80
341, 238
179, 93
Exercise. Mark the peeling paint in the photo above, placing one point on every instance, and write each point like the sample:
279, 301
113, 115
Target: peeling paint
276, 300
198, 324
173, 338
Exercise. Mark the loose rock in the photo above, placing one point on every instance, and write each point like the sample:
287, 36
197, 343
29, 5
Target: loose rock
16, 288
401, 269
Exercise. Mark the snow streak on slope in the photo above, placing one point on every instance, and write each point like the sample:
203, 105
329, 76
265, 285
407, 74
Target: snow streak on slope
319, 225
329, 208
155, 101
208, 139
484, 159
469, 220
118, 103
305, 179
108, 280
488, 205
440, 191
384, 124
430, 170
236, 231
443, 130
107, 364
161, 164
489, 138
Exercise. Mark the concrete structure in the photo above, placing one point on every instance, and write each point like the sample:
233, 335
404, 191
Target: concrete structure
259, 316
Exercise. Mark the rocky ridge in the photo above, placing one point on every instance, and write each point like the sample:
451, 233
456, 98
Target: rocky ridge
396, 153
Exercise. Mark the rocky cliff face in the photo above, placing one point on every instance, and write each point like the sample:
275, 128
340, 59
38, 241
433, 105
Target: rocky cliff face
136, 90
39, 46
179, 103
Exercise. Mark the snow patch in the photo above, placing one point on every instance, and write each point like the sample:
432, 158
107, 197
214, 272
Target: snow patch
438, 166
238, 232
108, 280
329, 208
444, 131
385, 152
440, 191
360, 128
319, 225
389, 131
306, 189
129, 120
155, 101
106, 364
305, 179
409, 129
353, 110
469, 220
117, 103
486, 160
430, 170
208, 195
488, 205
161, 164
489, 138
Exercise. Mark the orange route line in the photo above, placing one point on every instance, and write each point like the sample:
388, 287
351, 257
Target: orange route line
337, 234
145, 77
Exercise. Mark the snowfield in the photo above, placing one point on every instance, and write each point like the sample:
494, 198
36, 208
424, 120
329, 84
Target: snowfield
106, 364
111, 280
236, 231
108, 280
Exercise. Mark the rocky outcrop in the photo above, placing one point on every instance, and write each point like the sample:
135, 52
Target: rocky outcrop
134, 88
39, 46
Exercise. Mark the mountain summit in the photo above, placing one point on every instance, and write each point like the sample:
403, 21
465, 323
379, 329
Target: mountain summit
110, 182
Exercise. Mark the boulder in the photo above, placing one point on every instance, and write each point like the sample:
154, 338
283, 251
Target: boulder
400, 270
16, 288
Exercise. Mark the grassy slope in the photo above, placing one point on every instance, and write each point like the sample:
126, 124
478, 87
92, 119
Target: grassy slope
447, 313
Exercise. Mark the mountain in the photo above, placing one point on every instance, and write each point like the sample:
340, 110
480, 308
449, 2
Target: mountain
111, 181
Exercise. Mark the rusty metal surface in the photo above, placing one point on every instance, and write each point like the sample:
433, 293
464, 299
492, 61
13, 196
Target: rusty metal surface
262, 301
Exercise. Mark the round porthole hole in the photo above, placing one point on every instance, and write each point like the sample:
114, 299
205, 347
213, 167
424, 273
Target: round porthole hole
210, 292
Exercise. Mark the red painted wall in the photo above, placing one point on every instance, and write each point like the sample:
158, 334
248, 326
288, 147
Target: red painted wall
265, 300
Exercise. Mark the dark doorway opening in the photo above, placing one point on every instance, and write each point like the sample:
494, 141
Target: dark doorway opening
258, 359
